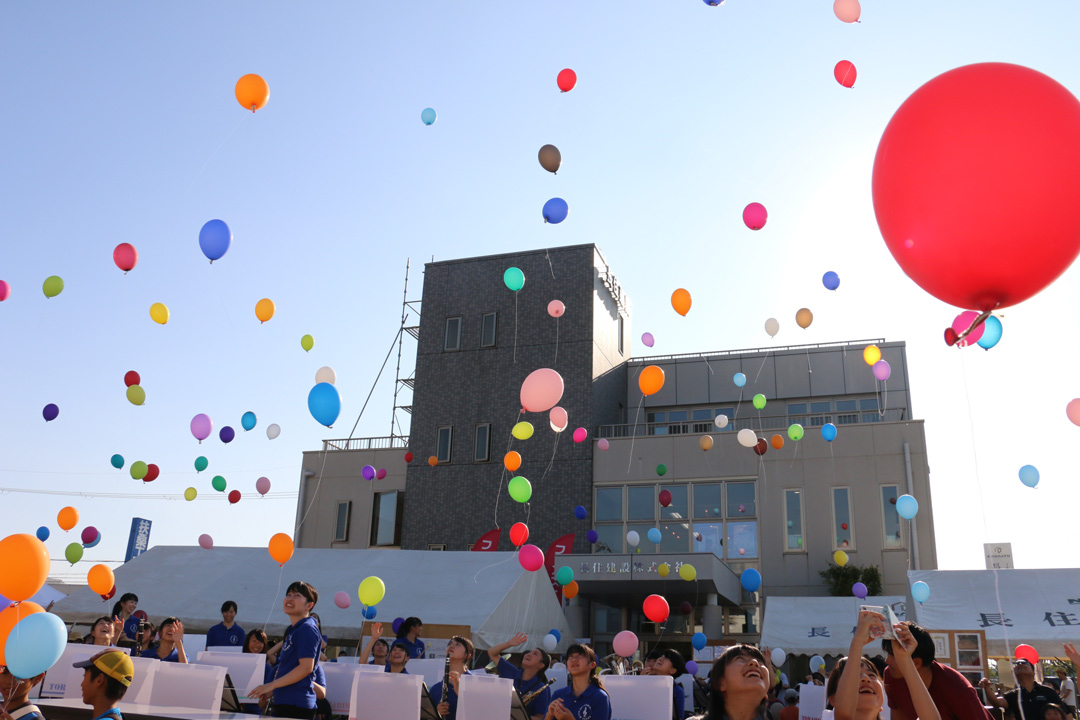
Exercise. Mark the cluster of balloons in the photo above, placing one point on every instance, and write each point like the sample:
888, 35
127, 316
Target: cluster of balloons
552, 639
31, 640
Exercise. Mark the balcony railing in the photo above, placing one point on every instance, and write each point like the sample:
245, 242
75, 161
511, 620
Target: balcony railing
370, 443
651, 359
753, 422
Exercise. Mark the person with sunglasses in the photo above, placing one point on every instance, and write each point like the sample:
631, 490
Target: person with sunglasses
1029, 695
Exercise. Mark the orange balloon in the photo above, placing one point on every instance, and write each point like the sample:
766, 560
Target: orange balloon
512, 460
804, 317
570, 590
252, 92
706, 442
24, 566
264, 309
100, 579
12, 615
433, 461
650, 380
777, 441
281, 548
67, 518
680, 300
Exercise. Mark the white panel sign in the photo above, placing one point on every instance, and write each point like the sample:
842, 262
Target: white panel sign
62, 680
811, 702
640, 698
339, 684
185, 685
246, 670
430, 670
482, 697
378, 696
998, 556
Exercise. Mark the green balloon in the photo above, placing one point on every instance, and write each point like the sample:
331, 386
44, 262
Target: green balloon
514, 278
565, 576
520, 489
799, 542
201, 463
759, 401
139, 470
53, 286
219, 483
795, 431
73, 553
307, 342
661, 470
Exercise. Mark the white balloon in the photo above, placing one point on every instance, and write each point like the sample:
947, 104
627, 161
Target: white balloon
778, 657
747, 438
327, 375
633, 538
772, 326
273, 431
817, 663
721, 421
550, 642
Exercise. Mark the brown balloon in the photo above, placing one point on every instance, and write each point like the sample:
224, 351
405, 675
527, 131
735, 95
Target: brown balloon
550, 158
803, 318
761, 447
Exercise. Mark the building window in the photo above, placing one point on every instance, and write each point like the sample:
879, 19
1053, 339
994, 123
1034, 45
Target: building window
436, 546
386, 514
842, 525
621, 335
709, 537
444, 444
609, 538
796, 408
641, 503
870, 405
487, 330
674, 526
453, 334
817, 420
707, 501
846, 412
341, 528
742, 540
793, 521
890, 519
482, 453
740, 500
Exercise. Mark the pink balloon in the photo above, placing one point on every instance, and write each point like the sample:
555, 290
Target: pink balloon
380, 473
542, 390
625, 644
201, 426
5, 290
845, 73
558, 419
580, 434
882, 371
531, 557
647, 340
206, 542
262, 485
755, 215
342, 599
556, 308
1073, 411
962, 322
603, 444
847, 10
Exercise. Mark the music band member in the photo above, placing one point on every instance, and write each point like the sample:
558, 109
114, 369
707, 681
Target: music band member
530, 678
460, 655
585, 697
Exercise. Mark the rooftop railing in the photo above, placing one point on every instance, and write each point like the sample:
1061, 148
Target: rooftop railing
650, 359
753, 422
370, 443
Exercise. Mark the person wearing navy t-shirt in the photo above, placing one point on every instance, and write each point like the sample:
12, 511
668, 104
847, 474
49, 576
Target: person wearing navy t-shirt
460, 652
227, 632
530, 677
124, 610
670, 662
585, 697
294, 675
16, 694
170, 646
257, 642
410, 631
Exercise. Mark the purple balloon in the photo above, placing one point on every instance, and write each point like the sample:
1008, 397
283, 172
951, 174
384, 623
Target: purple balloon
882, 371
206, 542
50, 412
380, 473
859, 590
89, 534
691, 667
592, 536
396, 624
227, 434
647, 340
368, 472
201, 426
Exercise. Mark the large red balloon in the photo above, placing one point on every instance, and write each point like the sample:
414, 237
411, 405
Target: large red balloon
974, 184
125, 256
656, 608
567, 80
845, 73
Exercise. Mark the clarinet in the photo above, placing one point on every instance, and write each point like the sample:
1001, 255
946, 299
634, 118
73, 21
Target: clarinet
141, 629
446, 681
529, 697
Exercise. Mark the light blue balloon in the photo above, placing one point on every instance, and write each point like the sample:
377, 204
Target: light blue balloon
991, 333
35, 644
215, 239
654, 536
248, 420
555, 211
93, 544
556, 633
1029, 476
751, 580
907, 507
429, 116
324, 403
920, 592
698, 641
43, 533
828, 431
739, 380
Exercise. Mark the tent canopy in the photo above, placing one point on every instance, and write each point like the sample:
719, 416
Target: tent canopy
819, 625
1038, 607
489, 591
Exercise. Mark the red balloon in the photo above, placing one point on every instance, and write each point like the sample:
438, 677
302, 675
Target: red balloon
974, 183
109, 595
656, 608
125, 256
567, 80
843, 526
665, 498
152, 472
1026, 652
844, 72
761, 447
519, 534
234, 497
131, 378
685, 607
408, 457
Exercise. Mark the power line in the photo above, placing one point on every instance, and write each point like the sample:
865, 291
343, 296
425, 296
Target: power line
136, 496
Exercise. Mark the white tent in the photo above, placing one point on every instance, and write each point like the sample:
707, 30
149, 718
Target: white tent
489, 591
819, 625
1038, 607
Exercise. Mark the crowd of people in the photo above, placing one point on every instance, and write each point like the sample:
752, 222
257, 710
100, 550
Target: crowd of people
743, 684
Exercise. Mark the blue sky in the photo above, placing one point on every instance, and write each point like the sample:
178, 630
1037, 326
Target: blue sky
121, 126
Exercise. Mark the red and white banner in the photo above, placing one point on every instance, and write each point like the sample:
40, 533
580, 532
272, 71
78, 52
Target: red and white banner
488, 542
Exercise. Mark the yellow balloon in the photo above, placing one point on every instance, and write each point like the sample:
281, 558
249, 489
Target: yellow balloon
136, 395
371, 590
190, 494
523, 430
687, 572
264, 309
840, 558
804, 317
871, 355
159, 313
664, 569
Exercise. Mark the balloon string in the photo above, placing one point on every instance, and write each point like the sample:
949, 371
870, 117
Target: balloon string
795, 455
280, 574
809, 369
515, 325
738, 405
315, 496
633, 435
488, 567
553, 449
502, 475
762, 364
238, 124
556, 341
884, 397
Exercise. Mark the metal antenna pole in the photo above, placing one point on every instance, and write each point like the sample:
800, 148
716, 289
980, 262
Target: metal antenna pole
397, 372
